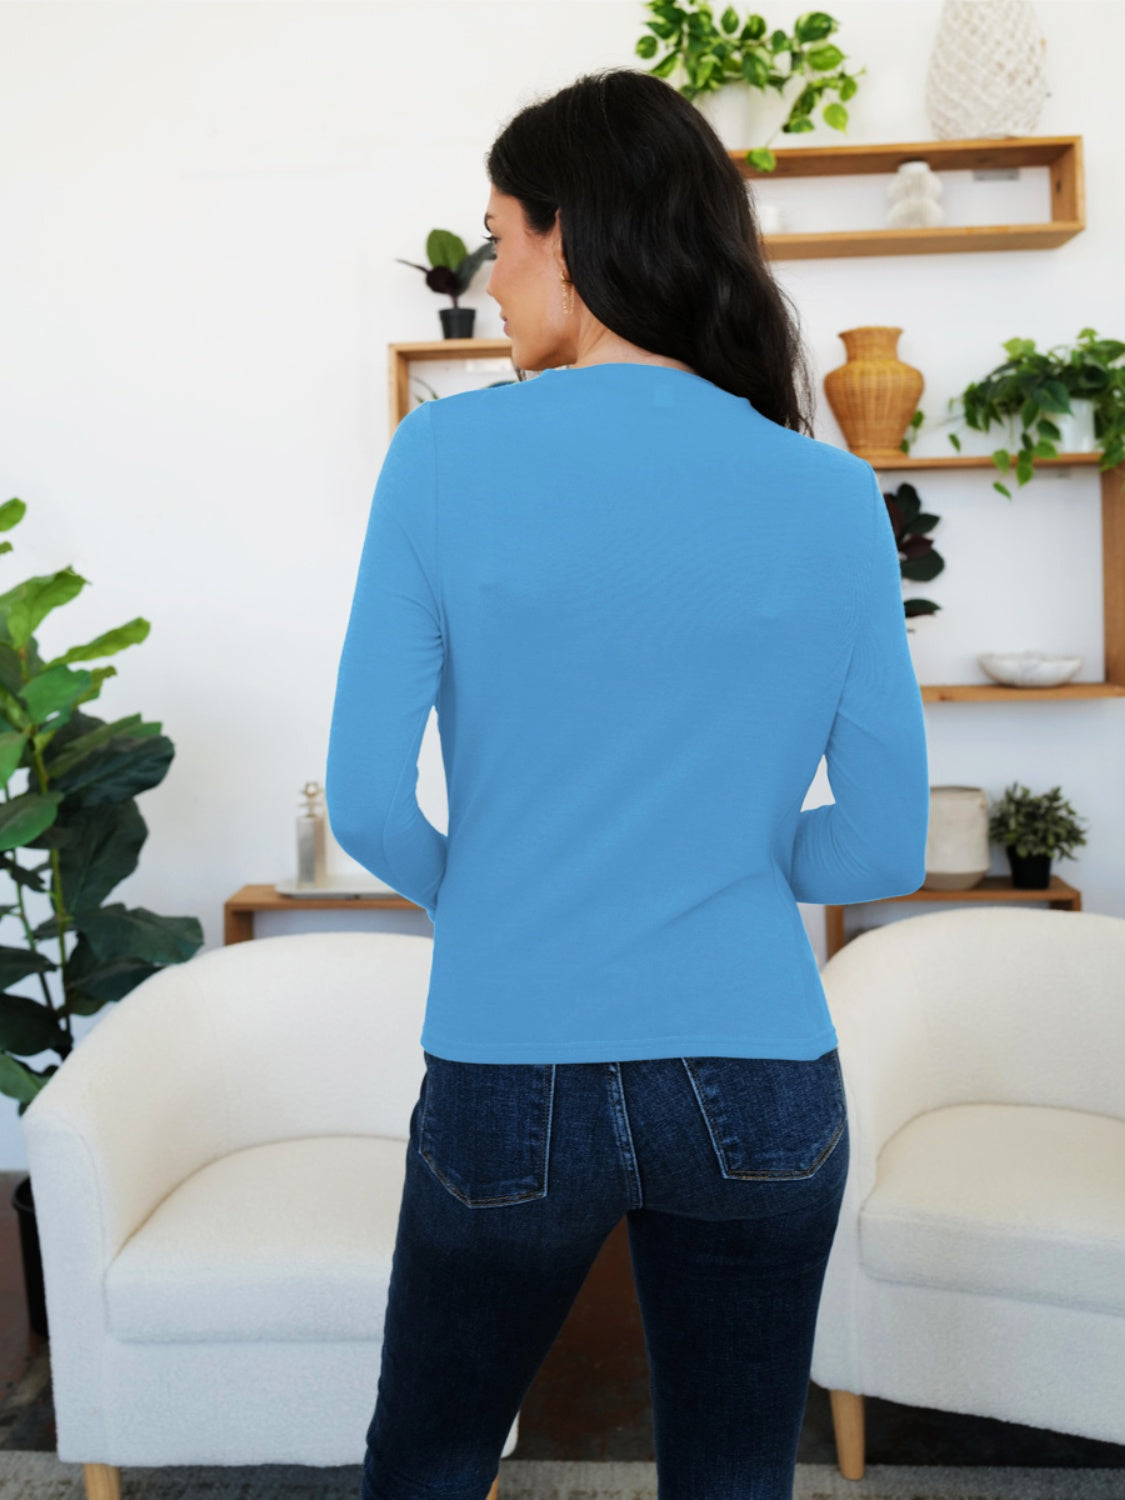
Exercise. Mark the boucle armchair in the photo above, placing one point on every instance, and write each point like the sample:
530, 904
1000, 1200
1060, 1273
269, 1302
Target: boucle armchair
979, 1258
217, 1170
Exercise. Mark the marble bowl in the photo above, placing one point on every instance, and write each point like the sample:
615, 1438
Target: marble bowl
1029, 668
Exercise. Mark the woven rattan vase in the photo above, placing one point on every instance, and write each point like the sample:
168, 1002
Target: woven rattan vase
874, 395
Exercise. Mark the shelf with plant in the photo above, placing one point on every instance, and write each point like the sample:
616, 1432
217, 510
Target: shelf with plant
1033, 387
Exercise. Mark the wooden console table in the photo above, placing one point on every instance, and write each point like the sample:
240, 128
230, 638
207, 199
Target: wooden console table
1058, 894
239, 909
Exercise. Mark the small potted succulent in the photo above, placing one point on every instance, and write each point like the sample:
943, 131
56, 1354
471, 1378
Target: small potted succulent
1034, 830
1033, 387
450, 272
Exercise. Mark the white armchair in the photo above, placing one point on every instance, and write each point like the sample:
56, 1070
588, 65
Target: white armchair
979, 1259
217, 1171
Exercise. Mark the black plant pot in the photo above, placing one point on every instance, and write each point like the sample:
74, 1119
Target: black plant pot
24, 1205
1030, 872
457, 322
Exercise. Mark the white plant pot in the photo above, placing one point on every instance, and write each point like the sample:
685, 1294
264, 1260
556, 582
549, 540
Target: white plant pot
728, 112
957, 854
1077, 430
744, 118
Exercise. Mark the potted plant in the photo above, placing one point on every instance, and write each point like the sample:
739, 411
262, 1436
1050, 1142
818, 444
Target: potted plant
1034, 830
1032, 387
731, 53
450, 271
920, 560
78, 807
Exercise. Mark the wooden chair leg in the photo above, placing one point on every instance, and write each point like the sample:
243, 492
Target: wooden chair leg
494, 1492
847, 1420
103, 1481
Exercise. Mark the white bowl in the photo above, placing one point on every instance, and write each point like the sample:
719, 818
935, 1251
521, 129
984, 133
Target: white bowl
1029, 668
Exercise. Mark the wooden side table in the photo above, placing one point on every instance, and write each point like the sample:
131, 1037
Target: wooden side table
1058, 894
239, 909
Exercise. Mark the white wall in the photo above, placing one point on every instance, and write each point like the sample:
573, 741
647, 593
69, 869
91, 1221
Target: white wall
201, 206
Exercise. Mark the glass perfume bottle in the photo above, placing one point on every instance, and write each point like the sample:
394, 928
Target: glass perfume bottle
311, 837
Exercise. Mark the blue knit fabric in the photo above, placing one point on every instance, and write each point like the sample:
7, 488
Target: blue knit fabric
644, 612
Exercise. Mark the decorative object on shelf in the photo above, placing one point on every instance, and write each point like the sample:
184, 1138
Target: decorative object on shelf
1034, 830
450, 272
919, 559
957, 856
987, 75
1033, 387
722, 66
914, 193
78, 806
1033, 669
770, 217
1078, 428
874, 393
311, 847
1061, 156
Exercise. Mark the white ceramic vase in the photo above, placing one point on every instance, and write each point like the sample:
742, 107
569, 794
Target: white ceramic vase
1078, 429
957, 854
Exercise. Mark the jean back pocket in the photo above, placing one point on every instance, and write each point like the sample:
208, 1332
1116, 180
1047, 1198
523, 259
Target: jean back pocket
484, 1129
770, 1117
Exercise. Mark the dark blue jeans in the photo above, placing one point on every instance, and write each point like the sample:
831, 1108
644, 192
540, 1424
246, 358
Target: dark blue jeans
730, 1173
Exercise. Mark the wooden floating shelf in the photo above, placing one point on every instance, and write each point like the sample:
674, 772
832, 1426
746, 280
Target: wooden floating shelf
1061, 154
977, 461
940, 239
995, 692
1059, 895
1113, 584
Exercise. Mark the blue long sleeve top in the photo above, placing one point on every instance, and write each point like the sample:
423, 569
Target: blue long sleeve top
644, 613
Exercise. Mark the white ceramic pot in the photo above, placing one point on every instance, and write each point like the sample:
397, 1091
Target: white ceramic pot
1078, 429
957, 854
728, 112
745, 118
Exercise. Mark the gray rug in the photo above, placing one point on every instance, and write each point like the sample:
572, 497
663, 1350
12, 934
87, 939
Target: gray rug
40, 1476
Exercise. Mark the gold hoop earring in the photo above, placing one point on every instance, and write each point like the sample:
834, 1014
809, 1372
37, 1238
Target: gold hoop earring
568, 307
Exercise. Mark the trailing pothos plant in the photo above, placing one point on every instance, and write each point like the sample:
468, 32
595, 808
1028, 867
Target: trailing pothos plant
1033, 386
77, 806
919, 559
748, 52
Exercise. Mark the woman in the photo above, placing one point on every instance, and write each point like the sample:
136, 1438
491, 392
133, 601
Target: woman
646, 602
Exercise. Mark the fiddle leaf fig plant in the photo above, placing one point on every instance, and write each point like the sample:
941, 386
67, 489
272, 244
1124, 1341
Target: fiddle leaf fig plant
742, 52
75, 805
451, 267
1035, 825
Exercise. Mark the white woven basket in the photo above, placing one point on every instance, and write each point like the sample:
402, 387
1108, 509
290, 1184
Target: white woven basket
987, 74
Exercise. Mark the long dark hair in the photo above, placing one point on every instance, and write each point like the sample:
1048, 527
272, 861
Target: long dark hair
658, 232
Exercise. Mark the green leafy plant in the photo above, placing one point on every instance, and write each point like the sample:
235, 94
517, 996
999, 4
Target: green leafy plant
1035, 825
451, 268
78, 806
919, 559
742, 52
1032, 386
